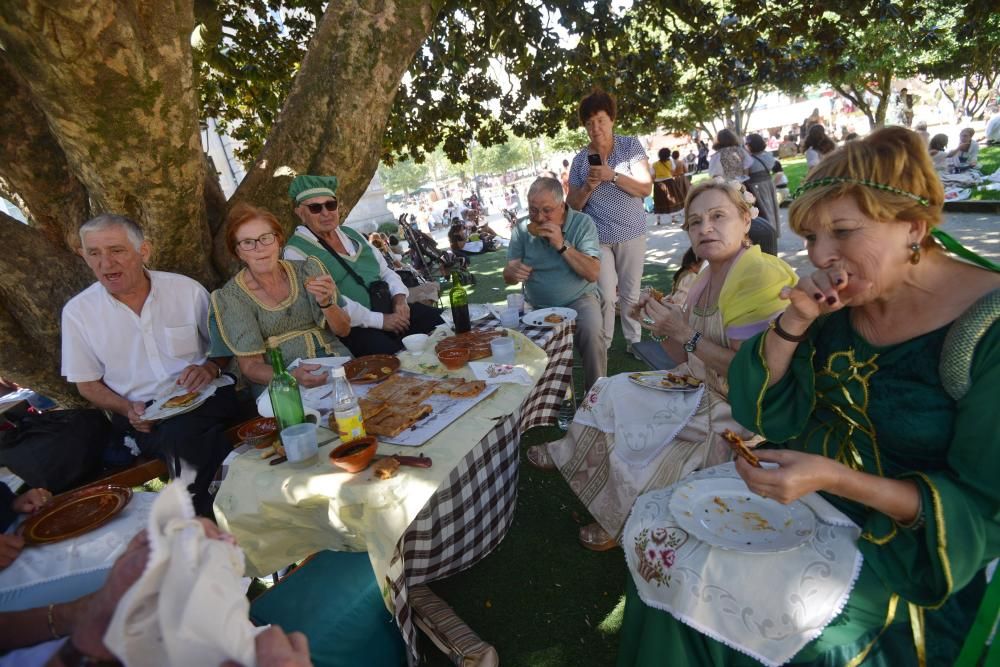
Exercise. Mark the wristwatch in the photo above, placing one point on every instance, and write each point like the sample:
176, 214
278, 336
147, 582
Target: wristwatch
614, 179
564, 248
692, 343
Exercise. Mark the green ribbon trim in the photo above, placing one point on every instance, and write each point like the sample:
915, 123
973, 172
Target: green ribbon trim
952, 245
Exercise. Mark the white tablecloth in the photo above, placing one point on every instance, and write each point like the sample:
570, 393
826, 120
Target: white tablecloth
64, 571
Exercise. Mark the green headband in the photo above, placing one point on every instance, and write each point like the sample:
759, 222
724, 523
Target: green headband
833, 180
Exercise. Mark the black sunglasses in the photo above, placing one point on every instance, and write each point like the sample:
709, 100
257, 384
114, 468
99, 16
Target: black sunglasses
330, 205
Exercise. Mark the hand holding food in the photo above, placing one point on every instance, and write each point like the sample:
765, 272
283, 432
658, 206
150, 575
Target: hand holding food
740, 449
668, 320
322, 288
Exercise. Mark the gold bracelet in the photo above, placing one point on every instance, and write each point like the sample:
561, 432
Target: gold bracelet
52, 624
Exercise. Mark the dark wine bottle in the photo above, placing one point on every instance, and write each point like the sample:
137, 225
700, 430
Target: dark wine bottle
459, 305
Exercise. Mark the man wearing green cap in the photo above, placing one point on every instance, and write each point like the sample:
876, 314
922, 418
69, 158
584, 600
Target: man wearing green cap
354, 265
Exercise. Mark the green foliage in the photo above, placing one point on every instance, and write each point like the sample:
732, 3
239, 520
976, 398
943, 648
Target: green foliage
404, 176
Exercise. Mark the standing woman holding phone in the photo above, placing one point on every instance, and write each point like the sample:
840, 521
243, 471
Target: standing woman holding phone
608, 180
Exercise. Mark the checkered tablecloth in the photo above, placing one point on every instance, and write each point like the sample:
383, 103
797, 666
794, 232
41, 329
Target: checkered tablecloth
469, 516
542, 406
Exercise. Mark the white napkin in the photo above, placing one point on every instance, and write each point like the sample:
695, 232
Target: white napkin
766, 605
188, 607
643, 420
492, 373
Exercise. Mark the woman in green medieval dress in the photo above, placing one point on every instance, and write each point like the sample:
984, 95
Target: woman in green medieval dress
878, 388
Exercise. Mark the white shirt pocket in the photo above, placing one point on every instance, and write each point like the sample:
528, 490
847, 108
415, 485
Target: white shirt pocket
183, 341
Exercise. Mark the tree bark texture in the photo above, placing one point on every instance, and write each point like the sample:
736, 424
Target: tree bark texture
114, 81
336, 113
36, 281
34, 165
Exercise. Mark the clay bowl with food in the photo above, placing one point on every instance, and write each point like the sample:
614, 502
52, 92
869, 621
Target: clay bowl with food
259, 432
354, 456
454, 358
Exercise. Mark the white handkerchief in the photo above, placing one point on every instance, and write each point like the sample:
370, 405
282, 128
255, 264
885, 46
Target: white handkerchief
492, 373
188, 607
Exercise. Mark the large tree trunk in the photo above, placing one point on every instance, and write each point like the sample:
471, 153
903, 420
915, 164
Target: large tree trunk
336, 113
34, 165
36, 281
114, 81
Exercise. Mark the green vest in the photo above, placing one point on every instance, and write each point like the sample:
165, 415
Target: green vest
363, 263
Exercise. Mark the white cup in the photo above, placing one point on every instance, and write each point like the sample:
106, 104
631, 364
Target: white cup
503, 350
516, 301
300, 443
509, 318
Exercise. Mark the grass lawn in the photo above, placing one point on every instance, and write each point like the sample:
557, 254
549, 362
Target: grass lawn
541, 599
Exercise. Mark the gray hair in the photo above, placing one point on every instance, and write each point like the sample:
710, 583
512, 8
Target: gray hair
546, 184
108, 220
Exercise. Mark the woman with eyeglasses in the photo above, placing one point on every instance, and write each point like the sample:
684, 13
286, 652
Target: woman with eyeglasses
358, 269
296, 302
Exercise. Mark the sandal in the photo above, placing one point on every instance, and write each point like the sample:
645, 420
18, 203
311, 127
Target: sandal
595, 538
538, 457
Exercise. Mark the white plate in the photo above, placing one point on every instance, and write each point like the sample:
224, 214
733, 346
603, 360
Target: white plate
156, 411
477, 311
655, 380
726, 514
536, 318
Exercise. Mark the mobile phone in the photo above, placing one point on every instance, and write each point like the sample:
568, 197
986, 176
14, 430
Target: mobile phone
594, 159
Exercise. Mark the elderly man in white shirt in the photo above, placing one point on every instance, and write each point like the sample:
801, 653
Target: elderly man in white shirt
354, 264
136, 335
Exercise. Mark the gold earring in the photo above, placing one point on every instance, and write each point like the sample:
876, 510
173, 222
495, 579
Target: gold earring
914, 253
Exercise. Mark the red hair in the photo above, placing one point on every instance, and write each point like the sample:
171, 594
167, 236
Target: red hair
243, 213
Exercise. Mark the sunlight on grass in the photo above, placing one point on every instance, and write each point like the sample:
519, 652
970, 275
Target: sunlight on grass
612, 623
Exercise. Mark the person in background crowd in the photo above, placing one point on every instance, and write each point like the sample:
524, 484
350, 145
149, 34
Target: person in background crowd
681, 183
992, 130
137, 335
557, 256
780, 183
966, 156
759, 181
564, 177
611, 191
702, 156
814, 137
730, 160
665, 199
338, 247
788, 147
938, 151
921, 130
685, 277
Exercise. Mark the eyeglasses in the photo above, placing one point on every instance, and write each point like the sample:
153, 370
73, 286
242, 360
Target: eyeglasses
329, 205
251, 244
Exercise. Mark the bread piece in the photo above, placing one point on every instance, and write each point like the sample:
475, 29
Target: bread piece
554, 318
394, 420
182, 400
370, 407
386, 468
740, 449
413, 394
468, 389
383, 391
446, 385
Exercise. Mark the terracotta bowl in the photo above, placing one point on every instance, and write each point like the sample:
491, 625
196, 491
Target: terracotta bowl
454, 358
362, 450
258, 432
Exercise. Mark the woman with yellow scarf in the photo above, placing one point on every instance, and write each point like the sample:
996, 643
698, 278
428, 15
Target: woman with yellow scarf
626, 438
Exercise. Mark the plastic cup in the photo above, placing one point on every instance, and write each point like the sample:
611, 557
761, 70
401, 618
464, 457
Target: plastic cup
300, 443
516, 301
503, 350
509, 318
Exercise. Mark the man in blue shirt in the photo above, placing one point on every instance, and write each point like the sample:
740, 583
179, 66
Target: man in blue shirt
557, 257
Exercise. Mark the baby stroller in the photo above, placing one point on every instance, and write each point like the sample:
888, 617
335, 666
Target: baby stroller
432, 263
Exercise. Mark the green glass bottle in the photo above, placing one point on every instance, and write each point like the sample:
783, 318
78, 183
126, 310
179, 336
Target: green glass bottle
283, 390
459, 305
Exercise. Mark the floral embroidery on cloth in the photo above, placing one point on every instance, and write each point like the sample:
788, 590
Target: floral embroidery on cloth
656, 550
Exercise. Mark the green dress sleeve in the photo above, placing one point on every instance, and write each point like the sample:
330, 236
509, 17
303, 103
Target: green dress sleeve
778, 413
236, 320
216, 346
960, 501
